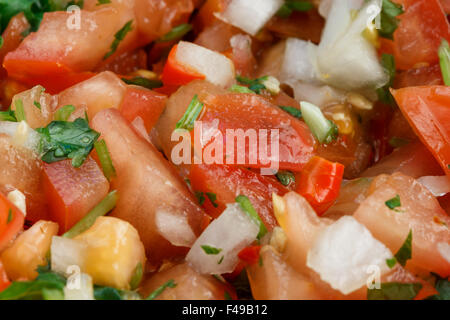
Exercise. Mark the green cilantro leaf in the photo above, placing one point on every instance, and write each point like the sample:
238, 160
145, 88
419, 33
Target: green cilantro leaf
240, 89
176, 33
118, 37
394, 291
292, 111
200, 197
293, 5
285, 177
100, 2
388, 18
388, 63
255, 85
143, 82
393, 203
8, 115
169, 284
212, 197
405, 252
67, 140
248, 208
210, 249
191, 114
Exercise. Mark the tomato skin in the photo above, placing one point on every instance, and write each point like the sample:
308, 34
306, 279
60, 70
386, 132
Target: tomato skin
4, 281
72, 192
417, 39
423, 76
8, 230
238, 111
174, 73
250, 255
426, 109
144, 103
227, 182
319, 182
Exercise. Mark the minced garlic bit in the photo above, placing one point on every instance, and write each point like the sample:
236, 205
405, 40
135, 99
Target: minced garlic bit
21, 134
18, 199
359, 101
278, 239
272, 85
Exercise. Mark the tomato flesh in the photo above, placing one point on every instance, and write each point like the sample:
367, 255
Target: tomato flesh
72, 192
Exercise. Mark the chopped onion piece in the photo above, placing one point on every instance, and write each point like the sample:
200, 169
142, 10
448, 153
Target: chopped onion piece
320, 126
320, 95
67, 253
345, 58
250, 15
80, 287
230, 233
217, 68
438, 185
299, 62
343, 252
444, 250
21, 134
175, 228
19, 200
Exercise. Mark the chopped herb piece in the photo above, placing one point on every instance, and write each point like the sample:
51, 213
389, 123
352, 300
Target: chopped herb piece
106, 293
169, 284
8, 115
221, 260
100, 2
144, 82
20, 111
397, 142
388, 63
442, 286
212, 197
118, 37
63, 113
176, 33
200, 197
393, 203
10, 216
444, 61
227, 295
1, 42
405, 252
67, 140
37, 105
105, 206
255, 85
240, 89
391, 262
191, 114
388, 18
394, 291
323, 129
137, 276
105, 159
285, 177
210, 249
292, 111
260, 261
293, 5
248, 208
45, 286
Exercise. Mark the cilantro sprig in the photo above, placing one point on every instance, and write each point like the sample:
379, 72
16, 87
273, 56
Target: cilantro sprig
403, 254
255, 85
118, 37
62, 140
388, 18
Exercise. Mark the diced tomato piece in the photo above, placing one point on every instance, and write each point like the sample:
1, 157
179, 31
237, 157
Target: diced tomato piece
419, 211
419, 34
153, 198
205, 16
250, 255
319, 182
250, 112
72, 192
11, 221
190, 285
144, 103
4, 281
175, 73
12, 36
61, 48
423, 76
227, 182
427, 110
125, 63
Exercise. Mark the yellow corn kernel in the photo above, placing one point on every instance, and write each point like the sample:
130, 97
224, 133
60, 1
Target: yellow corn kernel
144, 74
279, 208
371, 35
342, 117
